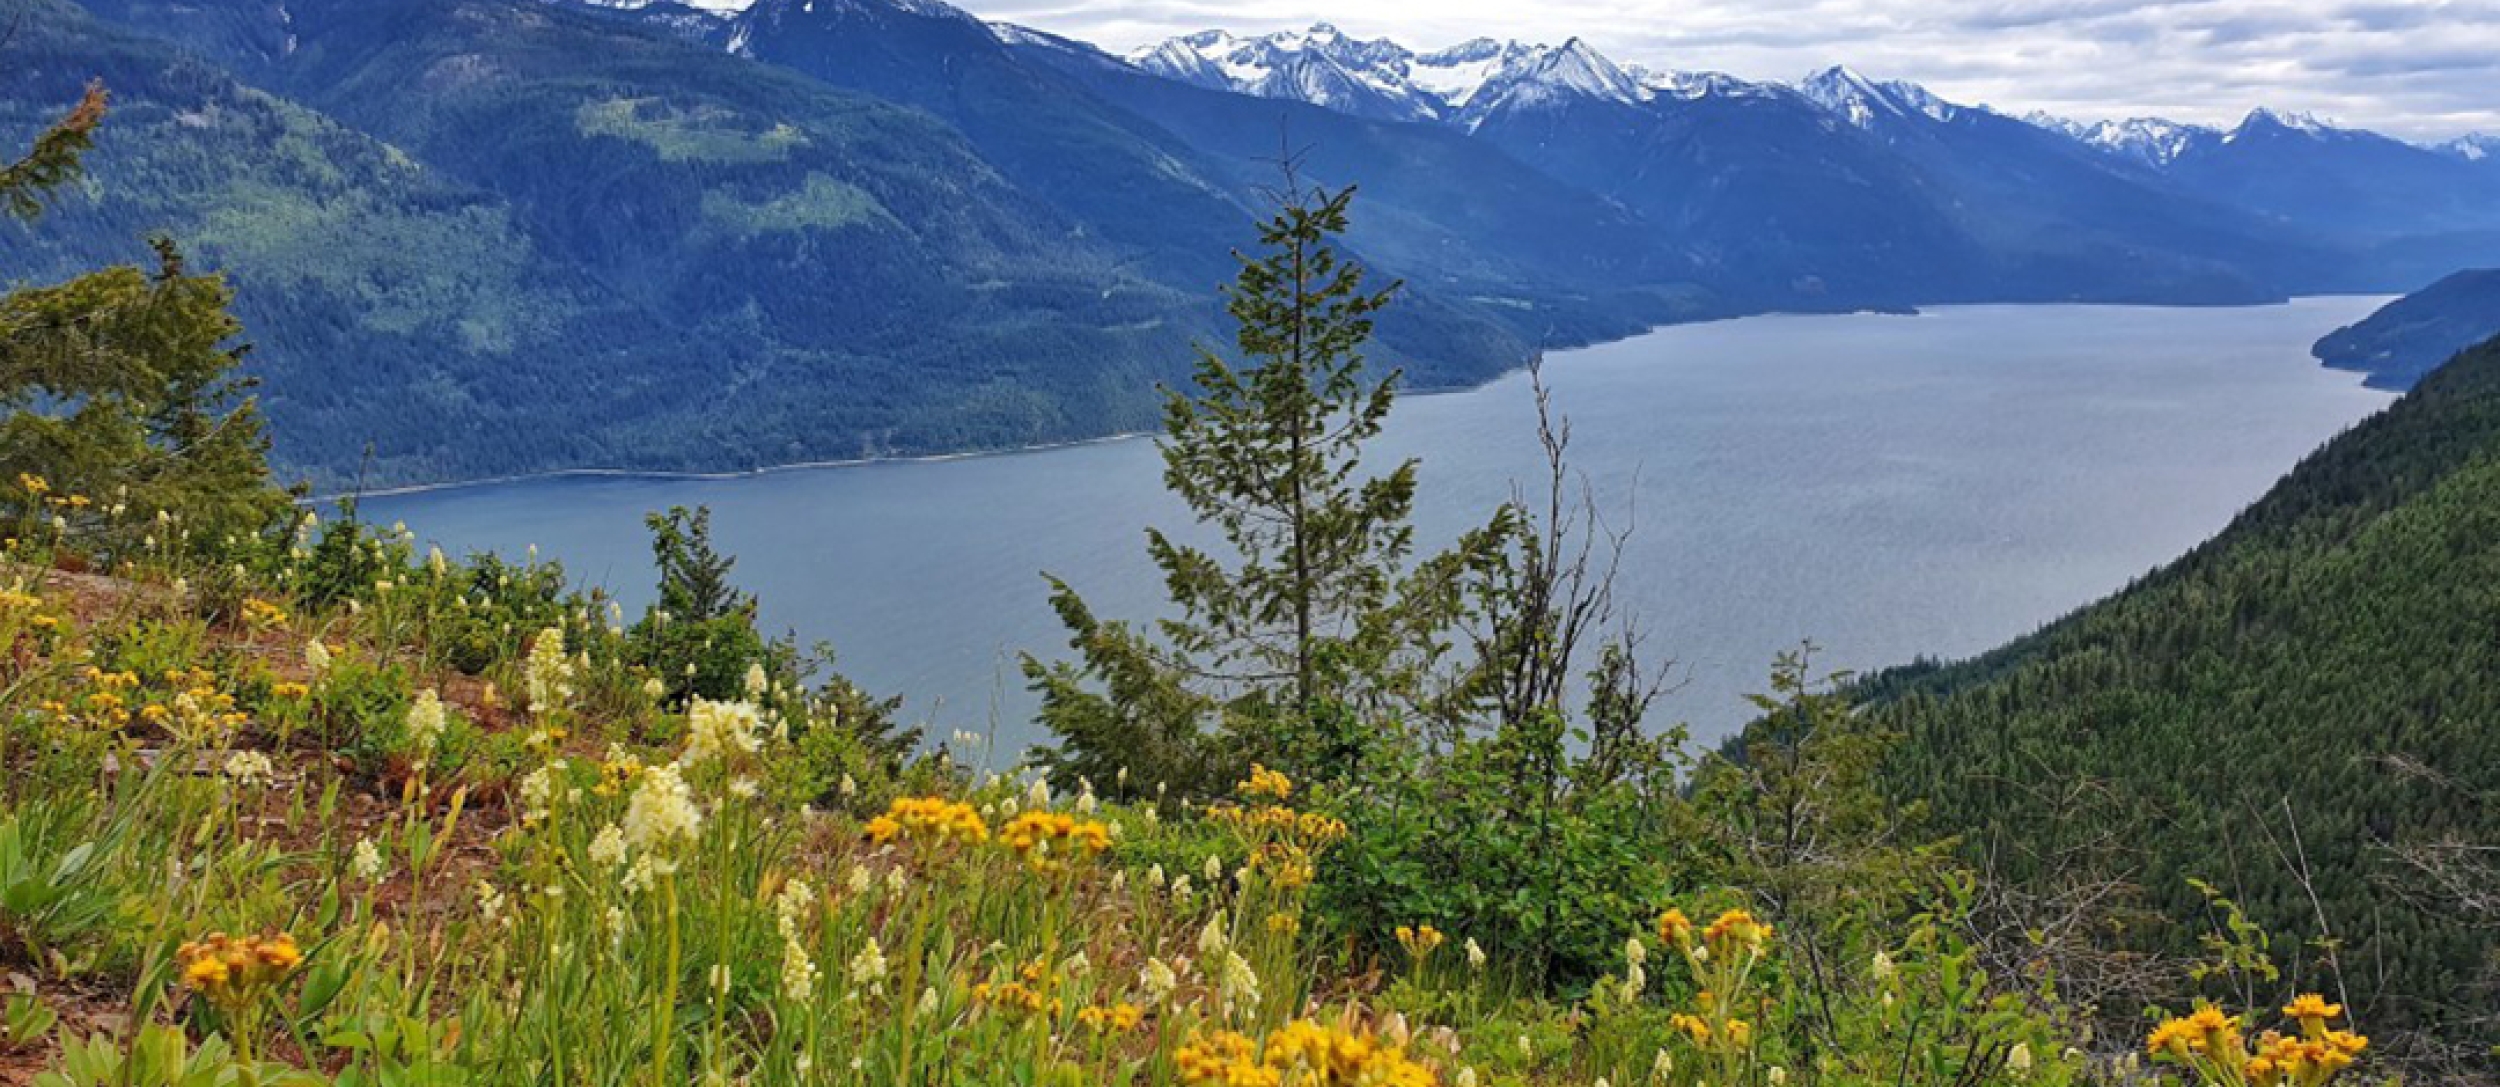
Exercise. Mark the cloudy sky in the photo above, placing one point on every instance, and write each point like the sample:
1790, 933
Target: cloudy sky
2421, 69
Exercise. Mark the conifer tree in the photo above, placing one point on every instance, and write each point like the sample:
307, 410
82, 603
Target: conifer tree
694, 577
57, 158
119, 386
1307, 632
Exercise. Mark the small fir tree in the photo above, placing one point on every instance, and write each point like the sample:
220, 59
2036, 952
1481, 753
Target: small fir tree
1307, 633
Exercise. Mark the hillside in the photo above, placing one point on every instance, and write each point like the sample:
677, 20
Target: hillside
2325, 668
507, 237
2412, 335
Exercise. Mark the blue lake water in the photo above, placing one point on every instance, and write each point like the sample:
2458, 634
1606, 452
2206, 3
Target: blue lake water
1887, 486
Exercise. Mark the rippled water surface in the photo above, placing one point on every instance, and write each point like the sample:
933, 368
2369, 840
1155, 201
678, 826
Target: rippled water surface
1887, 486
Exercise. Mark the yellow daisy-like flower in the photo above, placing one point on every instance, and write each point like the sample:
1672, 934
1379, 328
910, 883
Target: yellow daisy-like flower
2312, 1010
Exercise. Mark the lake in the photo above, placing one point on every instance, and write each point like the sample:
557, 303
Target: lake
1886, 486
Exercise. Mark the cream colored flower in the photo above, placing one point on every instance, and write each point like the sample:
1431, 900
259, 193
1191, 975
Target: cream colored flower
869, 966
662, 811
425, 724
549, 672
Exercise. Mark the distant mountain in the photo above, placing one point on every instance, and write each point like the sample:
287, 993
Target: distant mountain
1382, 80
2401, 212
1867, 103
491, 236
1765, 187
2288, 712
2475, 147
2054, 217
1322, 68
1470, 231
668, 257
1450, 213
2413, 335
2150, 141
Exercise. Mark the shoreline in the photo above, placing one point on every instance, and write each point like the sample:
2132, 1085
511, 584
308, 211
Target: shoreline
668, 475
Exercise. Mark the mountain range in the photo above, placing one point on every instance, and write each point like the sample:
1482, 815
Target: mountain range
477, 237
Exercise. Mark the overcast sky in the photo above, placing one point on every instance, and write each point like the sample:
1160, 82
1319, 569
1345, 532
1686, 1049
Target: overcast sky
2420, 69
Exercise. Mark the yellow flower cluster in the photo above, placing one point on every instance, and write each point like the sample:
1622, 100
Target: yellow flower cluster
262, 614
1029, 993
1735, 1033
1310, 829
2205, 1031
615, 773
1302, 1053
1287, 866
1736, 928
1419, 942
1045, 840
1264, 782
1675, 928
235, 972
15, 599
928, 818
2210, 1044
1015, 996
1119, 1018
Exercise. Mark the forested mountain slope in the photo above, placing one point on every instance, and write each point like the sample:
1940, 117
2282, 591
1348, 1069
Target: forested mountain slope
481, 236
2330, 663
2414, 334
356, 258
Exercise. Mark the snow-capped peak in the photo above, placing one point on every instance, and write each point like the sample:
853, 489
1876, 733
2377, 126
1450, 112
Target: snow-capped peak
2473, 147
1455, 74
2309, 124
1862, 101
2151, 141
716, 7
1322, 65
1380, 78
1691, 85
1576, 68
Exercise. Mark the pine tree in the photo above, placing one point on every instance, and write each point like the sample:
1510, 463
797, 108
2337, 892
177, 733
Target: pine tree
1308, 633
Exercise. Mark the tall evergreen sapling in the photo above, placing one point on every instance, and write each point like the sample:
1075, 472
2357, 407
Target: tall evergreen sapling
1306, 634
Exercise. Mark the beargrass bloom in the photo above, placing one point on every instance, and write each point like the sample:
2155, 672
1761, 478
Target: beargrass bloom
661, 813
425, 724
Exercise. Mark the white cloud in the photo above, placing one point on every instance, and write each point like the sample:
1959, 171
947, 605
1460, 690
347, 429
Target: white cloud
2420, 69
